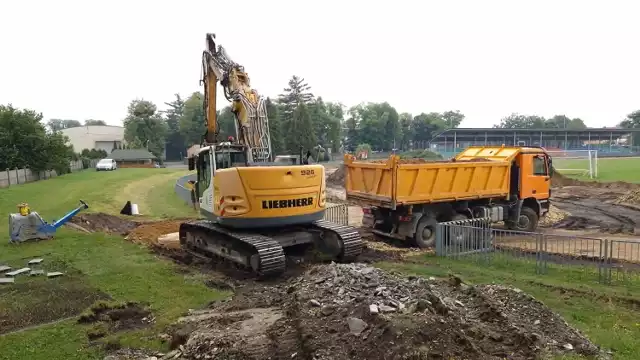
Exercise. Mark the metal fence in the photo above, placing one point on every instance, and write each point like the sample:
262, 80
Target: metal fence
476, 240
337, 213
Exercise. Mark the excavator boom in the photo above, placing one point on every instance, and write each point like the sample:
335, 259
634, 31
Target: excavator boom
249, 108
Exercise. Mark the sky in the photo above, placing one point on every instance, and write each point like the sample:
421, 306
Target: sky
87, 59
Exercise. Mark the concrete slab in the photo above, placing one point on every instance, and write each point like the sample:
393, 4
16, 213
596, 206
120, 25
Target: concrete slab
54, 274
4, 268
36, 272
4, 280
171, 241
18, 272
35, 261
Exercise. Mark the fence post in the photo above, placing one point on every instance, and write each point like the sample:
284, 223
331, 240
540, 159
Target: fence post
8, 177
25, 175
17, 175
439, 239
606, 264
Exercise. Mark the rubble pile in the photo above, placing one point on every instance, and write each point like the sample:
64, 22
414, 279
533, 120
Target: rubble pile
356, 311
553, 217
630, 197
337, 177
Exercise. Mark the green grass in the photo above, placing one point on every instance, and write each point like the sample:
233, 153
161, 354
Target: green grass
96, 262
604, 313
609, 169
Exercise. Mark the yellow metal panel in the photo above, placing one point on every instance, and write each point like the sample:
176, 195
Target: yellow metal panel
494, 153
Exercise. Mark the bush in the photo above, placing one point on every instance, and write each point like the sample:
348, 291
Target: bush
86, 162
421, 154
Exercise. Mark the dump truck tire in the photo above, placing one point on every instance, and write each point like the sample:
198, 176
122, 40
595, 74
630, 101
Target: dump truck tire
528, 220
425, 236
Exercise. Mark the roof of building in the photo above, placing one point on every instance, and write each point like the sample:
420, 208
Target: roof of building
131, 154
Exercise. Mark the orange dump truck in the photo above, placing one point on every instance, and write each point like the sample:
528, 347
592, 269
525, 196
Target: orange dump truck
406, 199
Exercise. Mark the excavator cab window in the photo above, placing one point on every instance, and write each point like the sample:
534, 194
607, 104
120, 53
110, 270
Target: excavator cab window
204, 173
229, 159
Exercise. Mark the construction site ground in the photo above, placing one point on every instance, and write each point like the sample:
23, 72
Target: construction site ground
126, 294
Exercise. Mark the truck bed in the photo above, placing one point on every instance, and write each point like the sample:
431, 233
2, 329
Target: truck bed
396, 182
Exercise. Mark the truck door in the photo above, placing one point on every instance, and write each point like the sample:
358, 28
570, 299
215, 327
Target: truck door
535, 179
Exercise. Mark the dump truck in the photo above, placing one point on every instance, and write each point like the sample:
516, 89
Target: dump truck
406, 199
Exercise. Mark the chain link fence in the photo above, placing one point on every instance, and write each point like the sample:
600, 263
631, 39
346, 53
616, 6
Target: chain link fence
608, 261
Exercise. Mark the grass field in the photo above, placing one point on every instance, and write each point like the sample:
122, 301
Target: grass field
609, 169
95, 265
98, 266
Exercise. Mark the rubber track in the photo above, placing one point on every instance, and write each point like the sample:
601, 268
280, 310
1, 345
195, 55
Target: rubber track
352, 243
272, 258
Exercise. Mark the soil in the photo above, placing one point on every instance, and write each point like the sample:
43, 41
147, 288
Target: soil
112, 317
101, 222
326, 313
337, 177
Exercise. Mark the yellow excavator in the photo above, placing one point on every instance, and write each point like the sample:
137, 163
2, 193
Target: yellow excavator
254, 208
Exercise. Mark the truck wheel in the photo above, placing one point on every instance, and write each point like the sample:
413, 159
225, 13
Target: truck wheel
528, 220
425, 236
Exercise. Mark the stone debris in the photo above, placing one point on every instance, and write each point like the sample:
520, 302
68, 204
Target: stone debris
4, 268
355, 311
4, 280
35, 261
18, 272
54, 274
36, 272
630, 197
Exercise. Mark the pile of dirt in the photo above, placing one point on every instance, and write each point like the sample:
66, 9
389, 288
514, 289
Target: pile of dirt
337, 177
355, 311
630, 197
148, 233
554, 216
101, 222
109, 317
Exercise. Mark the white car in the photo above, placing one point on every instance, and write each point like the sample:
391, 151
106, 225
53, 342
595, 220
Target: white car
106, 165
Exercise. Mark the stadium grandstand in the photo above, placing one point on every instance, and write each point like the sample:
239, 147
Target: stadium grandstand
609, 142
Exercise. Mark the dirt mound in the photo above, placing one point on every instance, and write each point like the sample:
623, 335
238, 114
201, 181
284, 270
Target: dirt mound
109, 317
337, 177
553, 217
630, 197
149, 233
101, 222
355, 311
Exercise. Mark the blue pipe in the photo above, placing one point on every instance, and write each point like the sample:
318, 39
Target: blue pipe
71, 214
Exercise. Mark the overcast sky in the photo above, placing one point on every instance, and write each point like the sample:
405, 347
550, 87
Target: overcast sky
88, 59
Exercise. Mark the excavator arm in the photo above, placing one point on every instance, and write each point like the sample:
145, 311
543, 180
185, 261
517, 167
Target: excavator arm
249, 109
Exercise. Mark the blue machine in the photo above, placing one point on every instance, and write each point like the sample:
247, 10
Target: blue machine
28, 225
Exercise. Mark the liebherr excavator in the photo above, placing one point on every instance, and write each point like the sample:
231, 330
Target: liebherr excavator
254, 209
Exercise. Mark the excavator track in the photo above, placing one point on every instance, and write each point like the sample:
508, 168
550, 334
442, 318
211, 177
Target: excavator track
351, 241
264, 255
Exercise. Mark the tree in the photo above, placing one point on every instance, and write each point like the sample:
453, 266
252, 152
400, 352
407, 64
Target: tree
59, 124
91, 122
515, 121
632, 121
174, 143
144, 127
275, 128
452, 119
426, 126
24, 142
405, 131
295, 115
326, 124
192, 124
115, 145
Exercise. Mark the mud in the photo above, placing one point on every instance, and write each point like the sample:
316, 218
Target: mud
101, 222
325, 313
109, 317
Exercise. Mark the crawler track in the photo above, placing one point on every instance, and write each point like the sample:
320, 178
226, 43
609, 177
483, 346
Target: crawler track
259, 252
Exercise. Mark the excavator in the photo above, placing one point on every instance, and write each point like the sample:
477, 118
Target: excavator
254, 209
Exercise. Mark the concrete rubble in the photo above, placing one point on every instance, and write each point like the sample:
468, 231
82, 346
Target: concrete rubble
355, 311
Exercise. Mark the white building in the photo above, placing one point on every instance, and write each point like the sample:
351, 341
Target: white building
94, 137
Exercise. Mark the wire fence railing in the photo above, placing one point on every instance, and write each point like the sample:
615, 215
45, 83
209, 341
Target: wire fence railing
608, 261
337, 213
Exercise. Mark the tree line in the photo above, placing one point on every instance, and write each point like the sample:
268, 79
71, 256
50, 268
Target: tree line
297, 118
